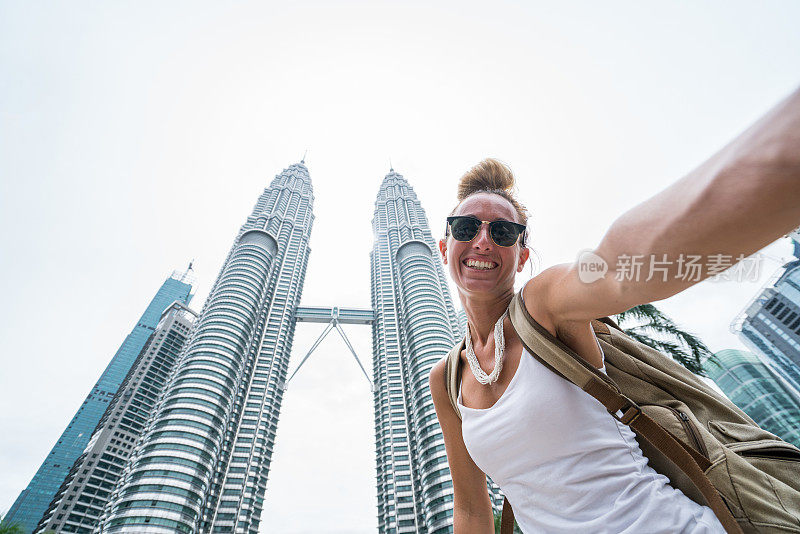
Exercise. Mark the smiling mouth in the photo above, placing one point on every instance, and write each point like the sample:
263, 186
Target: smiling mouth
479, 265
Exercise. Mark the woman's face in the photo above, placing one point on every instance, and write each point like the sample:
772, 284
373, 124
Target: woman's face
506, 262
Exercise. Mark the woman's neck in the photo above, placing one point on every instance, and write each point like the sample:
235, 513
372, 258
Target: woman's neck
483, 313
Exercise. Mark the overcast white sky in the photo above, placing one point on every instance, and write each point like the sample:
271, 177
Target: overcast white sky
137, 136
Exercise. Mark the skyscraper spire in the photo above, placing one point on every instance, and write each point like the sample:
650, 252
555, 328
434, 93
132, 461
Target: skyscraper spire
205, 456
415, 326
187, 275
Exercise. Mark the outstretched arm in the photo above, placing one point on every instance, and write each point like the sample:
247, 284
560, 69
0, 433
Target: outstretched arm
743, 198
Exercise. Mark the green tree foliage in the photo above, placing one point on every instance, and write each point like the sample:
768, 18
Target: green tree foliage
7, 527
649, 325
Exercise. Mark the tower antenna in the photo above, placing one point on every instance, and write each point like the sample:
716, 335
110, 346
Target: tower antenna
185, 276
304, 157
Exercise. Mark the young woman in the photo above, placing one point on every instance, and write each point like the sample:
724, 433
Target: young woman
563, 463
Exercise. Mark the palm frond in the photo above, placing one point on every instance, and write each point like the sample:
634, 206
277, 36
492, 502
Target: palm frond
649, 325
8, 527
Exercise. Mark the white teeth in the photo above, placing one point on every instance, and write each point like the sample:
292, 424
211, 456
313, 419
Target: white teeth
480, 264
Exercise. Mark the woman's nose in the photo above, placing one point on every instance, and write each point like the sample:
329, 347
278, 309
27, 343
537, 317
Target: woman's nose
483, 240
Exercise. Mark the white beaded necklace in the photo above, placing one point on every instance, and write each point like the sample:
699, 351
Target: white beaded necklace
499, 347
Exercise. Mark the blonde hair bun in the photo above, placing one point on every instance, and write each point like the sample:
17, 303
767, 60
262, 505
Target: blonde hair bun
491, 176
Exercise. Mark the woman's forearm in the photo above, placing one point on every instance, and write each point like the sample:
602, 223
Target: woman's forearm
736, 203
740, 200
465, 522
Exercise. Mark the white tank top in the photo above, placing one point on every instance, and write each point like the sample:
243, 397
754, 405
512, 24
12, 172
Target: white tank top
566, 465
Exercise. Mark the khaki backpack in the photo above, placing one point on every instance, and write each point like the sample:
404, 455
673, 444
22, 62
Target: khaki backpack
707, 447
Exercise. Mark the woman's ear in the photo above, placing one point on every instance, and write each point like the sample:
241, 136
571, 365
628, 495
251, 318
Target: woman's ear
524, 254
443, 250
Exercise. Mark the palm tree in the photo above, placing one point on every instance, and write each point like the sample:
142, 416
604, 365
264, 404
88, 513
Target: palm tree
651, 326
7, 527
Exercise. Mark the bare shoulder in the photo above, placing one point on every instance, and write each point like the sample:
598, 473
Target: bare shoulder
448, 418
437, 378
537, 294
540, 299
438, 390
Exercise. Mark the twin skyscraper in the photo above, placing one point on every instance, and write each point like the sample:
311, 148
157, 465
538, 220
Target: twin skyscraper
186, 440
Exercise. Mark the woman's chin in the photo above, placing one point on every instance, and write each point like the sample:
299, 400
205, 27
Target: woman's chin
473, 285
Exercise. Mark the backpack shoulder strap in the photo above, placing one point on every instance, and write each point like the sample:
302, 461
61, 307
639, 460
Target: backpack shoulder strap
452, 375
558, 357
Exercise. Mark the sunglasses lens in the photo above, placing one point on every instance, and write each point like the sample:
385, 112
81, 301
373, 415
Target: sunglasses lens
504, 233
465, 228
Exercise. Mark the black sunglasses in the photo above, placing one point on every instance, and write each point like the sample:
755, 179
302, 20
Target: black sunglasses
466, 227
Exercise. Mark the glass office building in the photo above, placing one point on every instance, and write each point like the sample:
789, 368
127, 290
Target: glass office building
31, 504
79, 503
770, 325
758, 391
415, 326
205, 454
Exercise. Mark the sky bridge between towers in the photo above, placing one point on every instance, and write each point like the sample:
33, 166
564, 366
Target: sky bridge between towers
335, 317
323, 314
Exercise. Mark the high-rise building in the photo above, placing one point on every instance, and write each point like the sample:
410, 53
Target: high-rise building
770, 325
462, 321
415, 326
31, 504
758, 391
83, 495
204, 457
